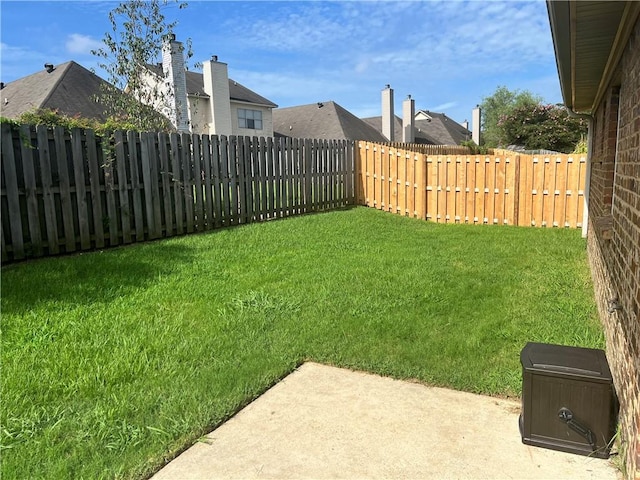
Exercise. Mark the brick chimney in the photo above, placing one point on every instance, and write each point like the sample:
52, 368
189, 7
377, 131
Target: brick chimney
174, 71
475, 123
388, 115
216, 85
408, 120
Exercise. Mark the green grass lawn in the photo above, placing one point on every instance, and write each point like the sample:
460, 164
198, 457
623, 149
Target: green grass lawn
114, 361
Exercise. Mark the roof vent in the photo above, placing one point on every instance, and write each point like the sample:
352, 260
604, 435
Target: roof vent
49, 67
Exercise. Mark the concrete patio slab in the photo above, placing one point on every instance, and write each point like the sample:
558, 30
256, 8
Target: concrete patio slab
326, 422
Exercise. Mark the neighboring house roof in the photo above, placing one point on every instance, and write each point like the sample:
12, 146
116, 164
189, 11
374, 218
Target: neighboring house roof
376, 123
323, 120
237, 92
589, 38
69, 88
439, 130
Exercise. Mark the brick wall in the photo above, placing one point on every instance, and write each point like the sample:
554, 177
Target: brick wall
614, 239
605, 129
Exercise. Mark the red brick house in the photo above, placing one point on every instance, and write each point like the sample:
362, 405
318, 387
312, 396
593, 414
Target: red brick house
597, 46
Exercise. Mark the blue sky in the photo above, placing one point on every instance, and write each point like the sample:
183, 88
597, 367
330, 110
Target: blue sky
447, 55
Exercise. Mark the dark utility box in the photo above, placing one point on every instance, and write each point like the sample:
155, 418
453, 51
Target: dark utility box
568, 399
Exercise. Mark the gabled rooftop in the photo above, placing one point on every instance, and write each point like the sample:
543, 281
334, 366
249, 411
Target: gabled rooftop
68, 88
322, 120
237, 92
437, 130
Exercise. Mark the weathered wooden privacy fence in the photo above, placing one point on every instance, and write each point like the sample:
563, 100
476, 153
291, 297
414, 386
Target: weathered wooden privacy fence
502, 188
70, 191
65, 191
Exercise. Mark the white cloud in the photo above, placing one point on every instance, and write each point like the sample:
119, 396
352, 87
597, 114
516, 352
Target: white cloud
286, 87
81, 44
10, 53
443, 106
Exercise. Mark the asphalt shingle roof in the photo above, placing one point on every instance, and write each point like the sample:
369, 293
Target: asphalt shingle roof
440, 130
322, 120
69, 88
238, 92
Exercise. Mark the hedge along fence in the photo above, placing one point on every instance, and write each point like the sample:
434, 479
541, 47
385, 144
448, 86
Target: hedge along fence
65, 192
502, 188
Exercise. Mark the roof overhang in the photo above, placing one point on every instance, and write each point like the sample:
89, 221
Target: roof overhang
589, 38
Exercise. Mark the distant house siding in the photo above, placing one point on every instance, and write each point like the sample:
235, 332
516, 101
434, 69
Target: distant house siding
267, 120
614, 238
199, 114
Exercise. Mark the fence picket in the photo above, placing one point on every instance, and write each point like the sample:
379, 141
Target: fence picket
177, 183
31, 193
256, 180
47, 193
574, 212
349, 167
560, 193
197, 181
64, 185
95, 182
500, 208
460, 194
77, 156
216, 180
470, 215
147, 179
244, 184
124, 208
489, 190
236, 208
165, 174
225, 180
263, 176
270, 172
278, 148
133, 142
187, 179
419, 160
582, 168
548, 187
208, 190
13, 196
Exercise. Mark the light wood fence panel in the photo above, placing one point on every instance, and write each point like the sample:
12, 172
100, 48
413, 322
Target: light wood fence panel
502, 188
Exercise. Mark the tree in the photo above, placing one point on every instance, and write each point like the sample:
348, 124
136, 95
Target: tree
546, 127
501, 103
138, 31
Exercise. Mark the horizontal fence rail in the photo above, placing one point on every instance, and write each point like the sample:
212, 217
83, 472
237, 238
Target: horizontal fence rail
432, 149
513, 189
63, 192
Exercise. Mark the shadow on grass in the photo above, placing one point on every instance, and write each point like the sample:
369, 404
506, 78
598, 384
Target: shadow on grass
95, 277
